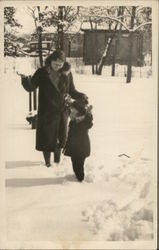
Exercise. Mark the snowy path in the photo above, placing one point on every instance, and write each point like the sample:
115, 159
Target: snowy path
49, 204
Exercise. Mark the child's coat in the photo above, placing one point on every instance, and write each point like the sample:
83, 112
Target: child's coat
78, 143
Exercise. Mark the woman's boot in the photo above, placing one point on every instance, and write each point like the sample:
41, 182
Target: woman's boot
57, 154
47, 156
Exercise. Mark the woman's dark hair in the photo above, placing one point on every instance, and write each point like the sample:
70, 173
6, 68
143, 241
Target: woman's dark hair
57, 54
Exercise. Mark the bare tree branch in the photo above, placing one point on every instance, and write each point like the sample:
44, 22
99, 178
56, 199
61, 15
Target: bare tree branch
139, 10
70, 22
77, 31
116, 20
123, 24
141, 25
128, 10
91, 24
31, 12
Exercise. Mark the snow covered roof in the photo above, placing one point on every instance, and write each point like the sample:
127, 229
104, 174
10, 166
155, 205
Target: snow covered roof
32, 42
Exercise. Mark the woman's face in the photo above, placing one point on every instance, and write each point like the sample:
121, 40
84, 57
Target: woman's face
56, 65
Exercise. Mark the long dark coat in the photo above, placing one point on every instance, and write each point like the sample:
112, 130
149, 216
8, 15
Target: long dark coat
52, 117
78, 142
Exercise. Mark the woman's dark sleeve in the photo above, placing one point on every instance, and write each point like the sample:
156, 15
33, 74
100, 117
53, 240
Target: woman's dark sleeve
72, 91
31, 83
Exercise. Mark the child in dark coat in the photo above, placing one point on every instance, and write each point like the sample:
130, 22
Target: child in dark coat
78, 142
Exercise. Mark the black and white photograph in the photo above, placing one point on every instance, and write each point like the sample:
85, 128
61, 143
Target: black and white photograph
79, 95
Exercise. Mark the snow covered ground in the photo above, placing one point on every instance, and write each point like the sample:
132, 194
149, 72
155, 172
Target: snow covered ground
116, 200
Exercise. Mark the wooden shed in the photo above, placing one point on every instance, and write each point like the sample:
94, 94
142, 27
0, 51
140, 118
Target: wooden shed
95, 42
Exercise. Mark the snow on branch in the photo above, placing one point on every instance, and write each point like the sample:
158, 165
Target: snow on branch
119, 21
116, 19
9, 40
31, 11
141, 25
23, 52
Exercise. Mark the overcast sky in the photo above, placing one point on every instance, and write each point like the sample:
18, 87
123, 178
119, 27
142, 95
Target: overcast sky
24, 19
27, 21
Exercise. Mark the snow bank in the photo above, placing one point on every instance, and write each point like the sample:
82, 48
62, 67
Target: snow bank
128, 219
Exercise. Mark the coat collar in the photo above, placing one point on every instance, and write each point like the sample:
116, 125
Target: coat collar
53, 79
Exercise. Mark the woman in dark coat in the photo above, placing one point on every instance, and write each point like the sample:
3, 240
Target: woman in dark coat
78, 142
52, 115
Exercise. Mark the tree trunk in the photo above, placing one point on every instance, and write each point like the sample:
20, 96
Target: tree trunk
35, 99
108, 45
101, 63
30, 102
96, 68
91, 24
40, 48
129, 68
114, 58
107, 48
39, 31
120, 13
60, 28
93, 69
69, 48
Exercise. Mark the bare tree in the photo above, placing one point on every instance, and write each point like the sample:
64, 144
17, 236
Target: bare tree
10, 25
35, 12
131, 45
61, 19
36, 15
135, 18
108, 46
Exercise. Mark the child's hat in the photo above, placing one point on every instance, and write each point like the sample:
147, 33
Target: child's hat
80, 105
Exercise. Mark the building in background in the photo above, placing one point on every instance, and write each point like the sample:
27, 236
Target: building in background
95, 42
90, 45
